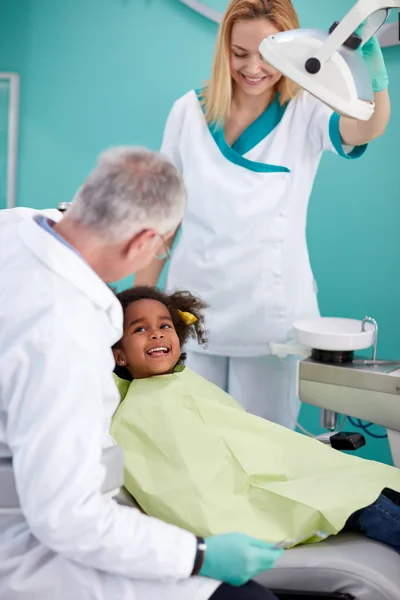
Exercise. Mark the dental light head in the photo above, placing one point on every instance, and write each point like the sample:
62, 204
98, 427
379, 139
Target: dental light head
327, 63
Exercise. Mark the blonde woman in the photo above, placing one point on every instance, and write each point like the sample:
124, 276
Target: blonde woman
248, 145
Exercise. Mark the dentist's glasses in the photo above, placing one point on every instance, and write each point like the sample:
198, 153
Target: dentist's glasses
167, 252
64, 206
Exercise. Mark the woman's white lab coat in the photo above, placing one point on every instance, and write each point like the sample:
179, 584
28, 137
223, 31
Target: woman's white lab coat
243, 247
57, 395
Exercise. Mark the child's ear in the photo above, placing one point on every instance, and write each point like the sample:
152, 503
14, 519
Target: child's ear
119, 357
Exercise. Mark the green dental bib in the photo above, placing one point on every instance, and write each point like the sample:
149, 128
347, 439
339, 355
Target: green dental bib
195, 458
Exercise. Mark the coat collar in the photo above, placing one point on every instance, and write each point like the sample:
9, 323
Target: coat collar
72, 268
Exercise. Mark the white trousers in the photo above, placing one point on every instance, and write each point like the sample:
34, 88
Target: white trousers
259, 384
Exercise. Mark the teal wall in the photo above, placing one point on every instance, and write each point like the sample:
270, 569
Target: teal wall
96, 73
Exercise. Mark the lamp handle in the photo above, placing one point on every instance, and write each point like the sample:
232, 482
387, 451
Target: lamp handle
363, 10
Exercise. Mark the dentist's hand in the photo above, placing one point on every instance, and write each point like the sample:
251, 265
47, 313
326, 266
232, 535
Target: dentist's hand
235, 558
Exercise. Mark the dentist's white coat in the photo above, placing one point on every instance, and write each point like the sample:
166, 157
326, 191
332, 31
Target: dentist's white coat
57, 323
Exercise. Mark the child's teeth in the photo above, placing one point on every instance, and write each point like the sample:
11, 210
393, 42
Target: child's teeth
157, 350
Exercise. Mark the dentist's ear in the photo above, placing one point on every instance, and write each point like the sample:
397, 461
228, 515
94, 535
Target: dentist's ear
141, 242
119, 358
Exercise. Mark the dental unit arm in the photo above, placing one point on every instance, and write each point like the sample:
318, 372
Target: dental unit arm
328, 64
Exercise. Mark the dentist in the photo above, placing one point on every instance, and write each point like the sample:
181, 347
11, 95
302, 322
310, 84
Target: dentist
58, 321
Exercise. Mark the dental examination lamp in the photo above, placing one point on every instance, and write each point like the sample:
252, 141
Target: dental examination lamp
327, 64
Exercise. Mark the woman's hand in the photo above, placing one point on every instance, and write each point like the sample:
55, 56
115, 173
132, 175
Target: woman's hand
356, 133
372, 54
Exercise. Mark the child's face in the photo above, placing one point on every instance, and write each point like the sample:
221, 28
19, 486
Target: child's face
150, 345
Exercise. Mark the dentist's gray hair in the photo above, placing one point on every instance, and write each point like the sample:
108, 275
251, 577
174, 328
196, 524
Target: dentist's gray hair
130, 189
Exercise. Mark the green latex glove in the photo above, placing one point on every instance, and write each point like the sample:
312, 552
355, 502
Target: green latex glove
372, 54
236, 558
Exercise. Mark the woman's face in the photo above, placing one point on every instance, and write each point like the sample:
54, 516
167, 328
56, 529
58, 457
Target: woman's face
253, 76
150, 345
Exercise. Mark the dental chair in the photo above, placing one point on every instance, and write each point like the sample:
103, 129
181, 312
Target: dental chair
344, 567
347, 567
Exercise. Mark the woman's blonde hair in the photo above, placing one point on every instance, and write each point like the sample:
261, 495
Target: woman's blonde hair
217, 93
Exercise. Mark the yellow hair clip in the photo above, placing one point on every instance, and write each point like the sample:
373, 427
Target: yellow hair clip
187, 317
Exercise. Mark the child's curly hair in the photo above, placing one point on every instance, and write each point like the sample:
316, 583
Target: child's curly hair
183, 301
